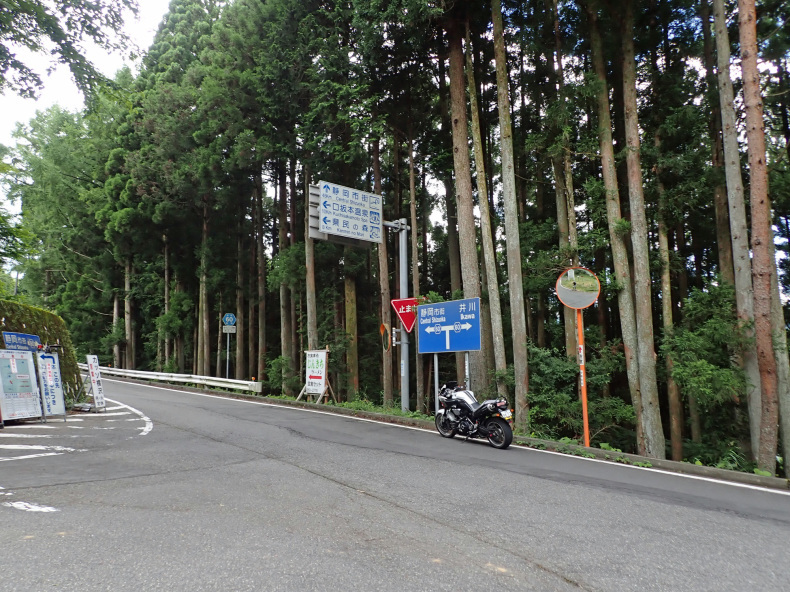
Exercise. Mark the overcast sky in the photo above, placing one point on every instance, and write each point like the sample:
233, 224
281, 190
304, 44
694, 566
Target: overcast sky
60, 89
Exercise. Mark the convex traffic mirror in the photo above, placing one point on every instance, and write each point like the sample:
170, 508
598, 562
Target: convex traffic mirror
578, 288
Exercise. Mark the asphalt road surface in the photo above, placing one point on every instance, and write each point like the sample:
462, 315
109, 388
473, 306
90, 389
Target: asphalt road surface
179, 491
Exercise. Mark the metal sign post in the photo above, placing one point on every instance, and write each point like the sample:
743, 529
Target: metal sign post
229, 326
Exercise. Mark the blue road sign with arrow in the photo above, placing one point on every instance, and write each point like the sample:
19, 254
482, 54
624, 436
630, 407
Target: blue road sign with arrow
445, 327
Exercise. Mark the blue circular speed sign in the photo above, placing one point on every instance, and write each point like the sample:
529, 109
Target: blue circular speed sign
229, 318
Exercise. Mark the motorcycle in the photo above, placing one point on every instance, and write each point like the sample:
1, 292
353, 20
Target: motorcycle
461, 413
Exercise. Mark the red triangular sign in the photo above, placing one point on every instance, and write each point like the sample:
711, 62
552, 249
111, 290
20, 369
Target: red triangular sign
406, 309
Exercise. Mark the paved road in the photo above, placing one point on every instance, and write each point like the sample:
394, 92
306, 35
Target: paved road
192, 492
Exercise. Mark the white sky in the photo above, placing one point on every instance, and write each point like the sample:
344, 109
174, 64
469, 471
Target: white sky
60, 89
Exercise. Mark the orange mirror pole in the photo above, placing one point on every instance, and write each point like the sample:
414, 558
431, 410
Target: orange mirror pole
583, 376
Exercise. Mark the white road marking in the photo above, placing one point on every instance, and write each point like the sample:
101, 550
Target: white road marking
2, 435
102, 414
149, 425
36, 447
28, 507
7, 458
30, 427
515, 447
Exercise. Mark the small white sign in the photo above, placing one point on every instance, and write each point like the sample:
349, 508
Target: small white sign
95, 376
228, 328
315, 372
51, 384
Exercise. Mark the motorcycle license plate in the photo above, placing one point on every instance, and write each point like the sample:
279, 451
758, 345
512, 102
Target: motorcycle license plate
505, 413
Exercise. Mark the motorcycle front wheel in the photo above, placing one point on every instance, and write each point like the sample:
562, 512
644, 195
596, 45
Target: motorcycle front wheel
499, 433
443, 426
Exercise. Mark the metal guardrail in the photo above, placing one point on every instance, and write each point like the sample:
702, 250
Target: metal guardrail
228, 383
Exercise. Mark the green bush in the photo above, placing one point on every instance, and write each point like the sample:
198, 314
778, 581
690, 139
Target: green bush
50, 328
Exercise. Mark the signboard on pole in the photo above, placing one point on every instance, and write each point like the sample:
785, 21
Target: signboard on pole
350, 213
452, 326
19, 398
229, 319
95, 375
406, 309
51, 384
315, 372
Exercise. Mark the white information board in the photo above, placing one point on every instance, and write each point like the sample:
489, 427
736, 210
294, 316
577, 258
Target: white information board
95, 376
348, 212
315, 372
19, 398
51, 385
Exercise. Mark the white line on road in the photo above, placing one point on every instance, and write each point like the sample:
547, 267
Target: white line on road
28, 507
7, 458
149, 425
35, 447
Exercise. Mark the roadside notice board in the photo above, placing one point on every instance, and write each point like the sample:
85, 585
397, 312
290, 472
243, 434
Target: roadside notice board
315, 372
96, 387
51, 385
19, 398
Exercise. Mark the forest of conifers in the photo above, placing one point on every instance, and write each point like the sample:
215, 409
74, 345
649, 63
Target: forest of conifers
645, 140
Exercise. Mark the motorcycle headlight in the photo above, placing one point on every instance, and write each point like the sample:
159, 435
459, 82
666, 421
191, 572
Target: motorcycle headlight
491, 407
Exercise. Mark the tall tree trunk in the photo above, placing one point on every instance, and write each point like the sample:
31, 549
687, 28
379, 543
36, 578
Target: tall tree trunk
116, 319
513, 241
252, 301
763, 263
651, 414
384, 285
744, 292
673, 392
352, 353
309, 249
261, 274
167, 337
614, 219
241, 363
489, 254
128, 322
452, 211
415, 260
219, 370
205, 327
723, 237
179, 342
470, 271
563, 187
287, 337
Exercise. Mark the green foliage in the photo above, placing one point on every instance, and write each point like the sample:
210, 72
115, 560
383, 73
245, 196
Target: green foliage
703, 348
50, 328
59, 28
555, 411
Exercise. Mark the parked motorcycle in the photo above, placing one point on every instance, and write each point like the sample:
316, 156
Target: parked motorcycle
462, 414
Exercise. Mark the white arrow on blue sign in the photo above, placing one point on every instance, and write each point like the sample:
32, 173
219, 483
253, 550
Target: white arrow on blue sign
449, 326
229, 319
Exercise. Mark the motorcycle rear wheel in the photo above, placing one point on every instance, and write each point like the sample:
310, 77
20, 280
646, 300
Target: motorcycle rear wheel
499, 433
443, 426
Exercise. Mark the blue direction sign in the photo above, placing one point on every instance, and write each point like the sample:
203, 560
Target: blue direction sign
348, 212
449, 326
229, 319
